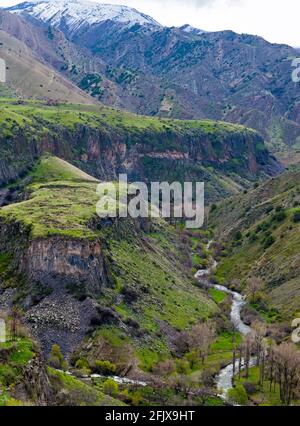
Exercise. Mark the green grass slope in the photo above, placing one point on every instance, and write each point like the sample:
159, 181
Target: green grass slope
262, 234
62, 199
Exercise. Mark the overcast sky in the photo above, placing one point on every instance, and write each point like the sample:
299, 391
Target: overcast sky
277, 21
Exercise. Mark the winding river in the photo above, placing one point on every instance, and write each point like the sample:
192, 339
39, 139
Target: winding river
224, 378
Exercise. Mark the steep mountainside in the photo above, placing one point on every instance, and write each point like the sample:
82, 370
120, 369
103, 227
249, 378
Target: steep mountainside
76, 15
51, 47
28, 77
105, 142
178, 73
261, 230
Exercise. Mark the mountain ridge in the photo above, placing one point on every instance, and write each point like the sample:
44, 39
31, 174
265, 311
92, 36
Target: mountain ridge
169, 72
76, 13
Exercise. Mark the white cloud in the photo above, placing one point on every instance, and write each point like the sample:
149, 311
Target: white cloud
274, 20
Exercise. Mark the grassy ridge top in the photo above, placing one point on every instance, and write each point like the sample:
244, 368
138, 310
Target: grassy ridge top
54, 168
31, 113
61, 202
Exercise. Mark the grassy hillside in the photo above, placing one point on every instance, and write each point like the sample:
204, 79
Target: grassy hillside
70, 115
261, 230
142, 264
61, 202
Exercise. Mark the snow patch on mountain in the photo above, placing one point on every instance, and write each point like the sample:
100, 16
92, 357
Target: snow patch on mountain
77, 13
192, 30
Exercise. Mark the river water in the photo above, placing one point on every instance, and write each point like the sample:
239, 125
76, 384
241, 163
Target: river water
224, 378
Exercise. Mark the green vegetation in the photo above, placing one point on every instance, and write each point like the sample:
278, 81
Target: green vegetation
264, 220
42, 124
62, 201
79, 393
217, 295
148, 288
14, 357
105, 367
33, 112
56, 358
161, 291
238, 395
260, 395
111, 388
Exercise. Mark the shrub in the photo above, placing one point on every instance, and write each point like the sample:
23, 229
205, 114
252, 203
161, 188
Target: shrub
111, 388
268, 242
296, 216
104, 367
269, 209
82, 364
250, 388
253, 237
279, 216
132, 323
56, 358
238, 236
129, 294
238, 395
258, 228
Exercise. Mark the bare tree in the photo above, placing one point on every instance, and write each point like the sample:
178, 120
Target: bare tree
246, 350
182, 342
287, 364
254, 285
164, 368
201, 338
271, 367
14, 324
258, 335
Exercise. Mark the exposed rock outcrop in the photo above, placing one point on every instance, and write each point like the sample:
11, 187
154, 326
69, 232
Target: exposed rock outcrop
34, 385
59, 262
105, 153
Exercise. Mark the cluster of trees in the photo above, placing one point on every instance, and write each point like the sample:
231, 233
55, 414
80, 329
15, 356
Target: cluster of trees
197, 341
279, 365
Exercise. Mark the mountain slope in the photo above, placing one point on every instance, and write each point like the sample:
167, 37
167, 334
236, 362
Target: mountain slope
28, 77
74, 15
171, 72
51, 47
76, 267
261, 230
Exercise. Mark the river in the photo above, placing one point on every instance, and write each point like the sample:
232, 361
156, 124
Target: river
224, 378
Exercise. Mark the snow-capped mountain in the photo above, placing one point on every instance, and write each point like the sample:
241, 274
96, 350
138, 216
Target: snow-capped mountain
75, 14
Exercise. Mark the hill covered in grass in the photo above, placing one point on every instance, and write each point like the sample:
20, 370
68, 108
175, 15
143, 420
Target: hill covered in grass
261, 230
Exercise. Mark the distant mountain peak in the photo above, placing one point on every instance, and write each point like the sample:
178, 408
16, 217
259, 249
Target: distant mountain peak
78, 13
191, 30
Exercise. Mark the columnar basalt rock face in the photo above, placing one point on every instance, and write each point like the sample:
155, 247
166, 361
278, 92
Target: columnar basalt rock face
106, 154
58, 262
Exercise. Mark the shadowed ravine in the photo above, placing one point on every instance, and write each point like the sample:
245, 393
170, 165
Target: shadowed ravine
224, 378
